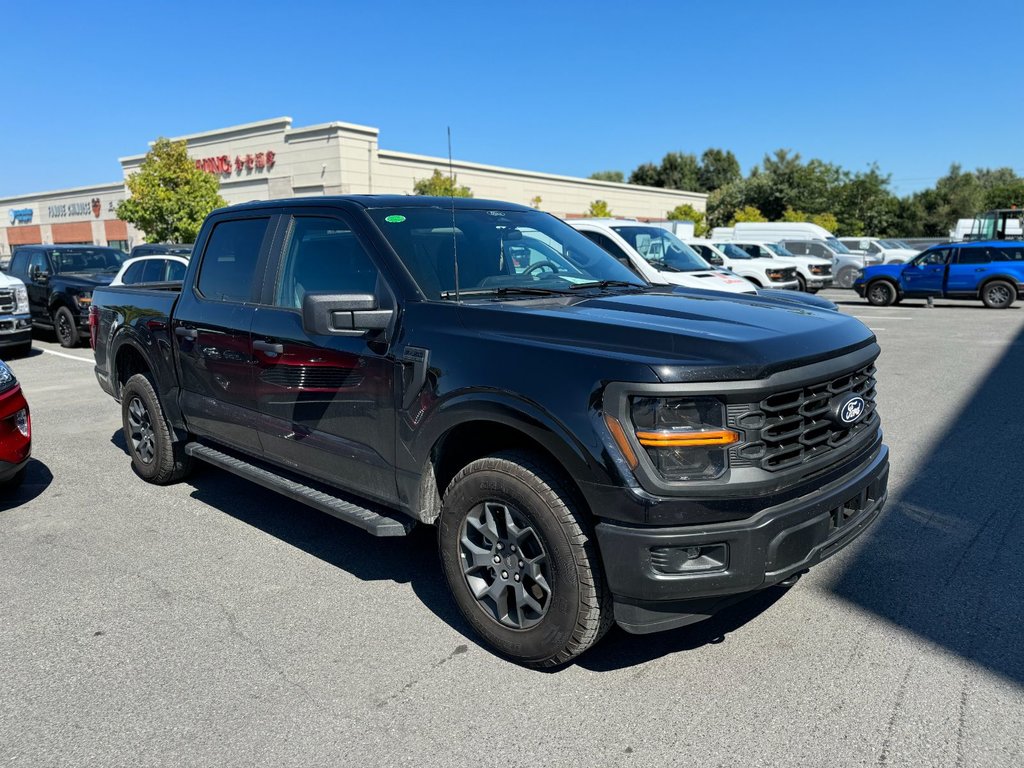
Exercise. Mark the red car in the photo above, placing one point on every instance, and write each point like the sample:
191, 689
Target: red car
15, 429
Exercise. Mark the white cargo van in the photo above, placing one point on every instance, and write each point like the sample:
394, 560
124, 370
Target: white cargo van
657, 255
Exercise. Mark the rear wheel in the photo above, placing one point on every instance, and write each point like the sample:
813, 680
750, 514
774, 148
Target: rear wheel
65, 328
846, 277
155, 455
521, 561
998, 294
881, 293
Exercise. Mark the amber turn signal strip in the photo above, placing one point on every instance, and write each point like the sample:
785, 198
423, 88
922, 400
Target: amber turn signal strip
687, 439
619, 435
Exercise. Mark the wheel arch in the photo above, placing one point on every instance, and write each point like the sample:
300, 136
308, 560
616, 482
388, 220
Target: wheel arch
476, 430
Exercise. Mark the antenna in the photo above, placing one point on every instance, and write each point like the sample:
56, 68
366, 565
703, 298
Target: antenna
451, 190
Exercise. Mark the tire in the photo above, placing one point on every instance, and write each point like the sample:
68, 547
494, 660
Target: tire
155, 455
846, 277
483, 508
802, 283
65, 328
881, 293
998, 294
757, 283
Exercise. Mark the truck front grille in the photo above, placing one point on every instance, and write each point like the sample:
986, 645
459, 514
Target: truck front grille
7, 301
792, 427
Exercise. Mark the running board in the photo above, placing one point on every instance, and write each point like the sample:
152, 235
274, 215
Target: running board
372, 522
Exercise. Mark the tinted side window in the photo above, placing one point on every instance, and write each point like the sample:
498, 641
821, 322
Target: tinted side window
1013, 254
975, 255
175, 271
19, 263
795, 247
153, 271
229, 262
323, 255
133, 274
938, 256
38, 261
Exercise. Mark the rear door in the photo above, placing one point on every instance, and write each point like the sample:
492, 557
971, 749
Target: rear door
925, 275
971, 267
326, 402
211, 330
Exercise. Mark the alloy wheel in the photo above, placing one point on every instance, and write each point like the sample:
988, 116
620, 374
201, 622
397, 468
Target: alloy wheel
505, 565
141, 431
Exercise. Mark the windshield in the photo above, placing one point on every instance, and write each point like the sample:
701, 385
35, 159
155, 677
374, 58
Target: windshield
778, 249
498, 251
662, 249
890, 243
87, 260
733, 251
836, 245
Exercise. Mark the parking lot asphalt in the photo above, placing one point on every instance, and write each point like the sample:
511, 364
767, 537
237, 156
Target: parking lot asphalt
216, 623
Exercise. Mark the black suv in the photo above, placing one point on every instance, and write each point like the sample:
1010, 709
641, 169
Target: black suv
60, 280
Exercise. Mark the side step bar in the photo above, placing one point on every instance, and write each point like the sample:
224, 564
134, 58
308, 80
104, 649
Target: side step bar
370, 521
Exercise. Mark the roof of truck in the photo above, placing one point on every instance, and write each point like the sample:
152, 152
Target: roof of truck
390, 201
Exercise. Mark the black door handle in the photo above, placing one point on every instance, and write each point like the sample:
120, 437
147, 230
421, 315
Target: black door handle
185, 333
267, 346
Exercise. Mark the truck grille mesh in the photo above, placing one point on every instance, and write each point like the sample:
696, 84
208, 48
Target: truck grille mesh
312, 377
7, 301
792, 427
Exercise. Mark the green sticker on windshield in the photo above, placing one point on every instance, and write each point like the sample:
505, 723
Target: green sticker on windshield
394, 218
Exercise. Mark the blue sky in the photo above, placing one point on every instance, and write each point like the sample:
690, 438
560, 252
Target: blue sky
560, 87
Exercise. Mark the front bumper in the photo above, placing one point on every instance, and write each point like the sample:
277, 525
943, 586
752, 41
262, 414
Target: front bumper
763, 550
15, 330
818, 282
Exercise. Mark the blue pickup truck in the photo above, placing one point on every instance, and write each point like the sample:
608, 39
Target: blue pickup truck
990, 270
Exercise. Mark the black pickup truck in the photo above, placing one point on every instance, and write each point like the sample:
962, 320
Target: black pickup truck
591, 448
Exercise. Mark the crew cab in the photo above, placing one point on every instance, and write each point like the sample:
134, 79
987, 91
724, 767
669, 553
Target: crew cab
846, 264
812, 273
592, 448
770, 273
657, 255
60, 280
990, 270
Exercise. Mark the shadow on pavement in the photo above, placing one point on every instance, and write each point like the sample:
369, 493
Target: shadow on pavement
946, 560
37, 479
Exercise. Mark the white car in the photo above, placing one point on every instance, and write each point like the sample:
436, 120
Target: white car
890, 251
658, 256
764, 273
157, 268
812, 273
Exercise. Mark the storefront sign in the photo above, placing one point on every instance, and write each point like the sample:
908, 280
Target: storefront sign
223, 164
20, 215
71, 210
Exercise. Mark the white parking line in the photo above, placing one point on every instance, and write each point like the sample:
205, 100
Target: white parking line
62, 354
881, 317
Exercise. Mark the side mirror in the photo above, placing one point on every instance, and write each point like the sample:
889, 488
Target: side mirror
716, 260
39, 275
343, 314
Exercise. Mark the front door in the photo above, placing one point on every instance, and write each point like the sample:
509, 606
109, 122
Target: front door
211, 330
326, 402
38, 285
925, 275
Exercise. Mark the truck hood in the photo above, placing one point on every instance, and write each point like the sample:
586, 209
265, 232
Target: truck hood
85, 279
709, 279
682, 334
6, 281
881, 270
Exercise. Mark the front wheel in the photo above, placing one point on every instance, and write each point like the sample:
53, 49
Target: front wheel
998, 294
881, 293
521, 560
65, 328
155, 455
846, 277
801, 283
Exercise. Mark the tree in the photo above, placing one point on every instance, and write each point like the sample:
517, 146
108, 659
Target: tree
608, 176
687, 212
680, 171
747, 213
826, 221
440, 185
169, 196
599, 210
536, 201
646, 175
718, 168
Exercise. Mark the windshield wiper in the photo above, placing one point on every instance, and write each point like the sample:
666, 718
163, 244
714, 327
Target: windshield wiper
606, 284
504, 290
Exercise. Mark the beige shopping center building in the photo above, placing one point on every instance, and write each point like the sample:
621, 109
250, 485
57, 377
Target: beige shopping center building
271, 159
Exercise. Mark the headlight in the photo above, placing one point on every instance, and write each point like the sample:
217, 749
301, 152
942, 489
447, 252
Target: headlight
21, 297
684, 437
776, 275
6, 376
819, 269
84, 298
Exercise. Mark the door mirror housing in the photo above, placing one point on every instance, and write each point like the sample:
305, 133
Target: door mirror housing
38, 275
344, 314
715, 259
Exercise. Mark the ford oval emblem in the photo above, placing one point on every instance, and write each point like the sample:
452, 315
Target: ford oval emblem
848, 410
